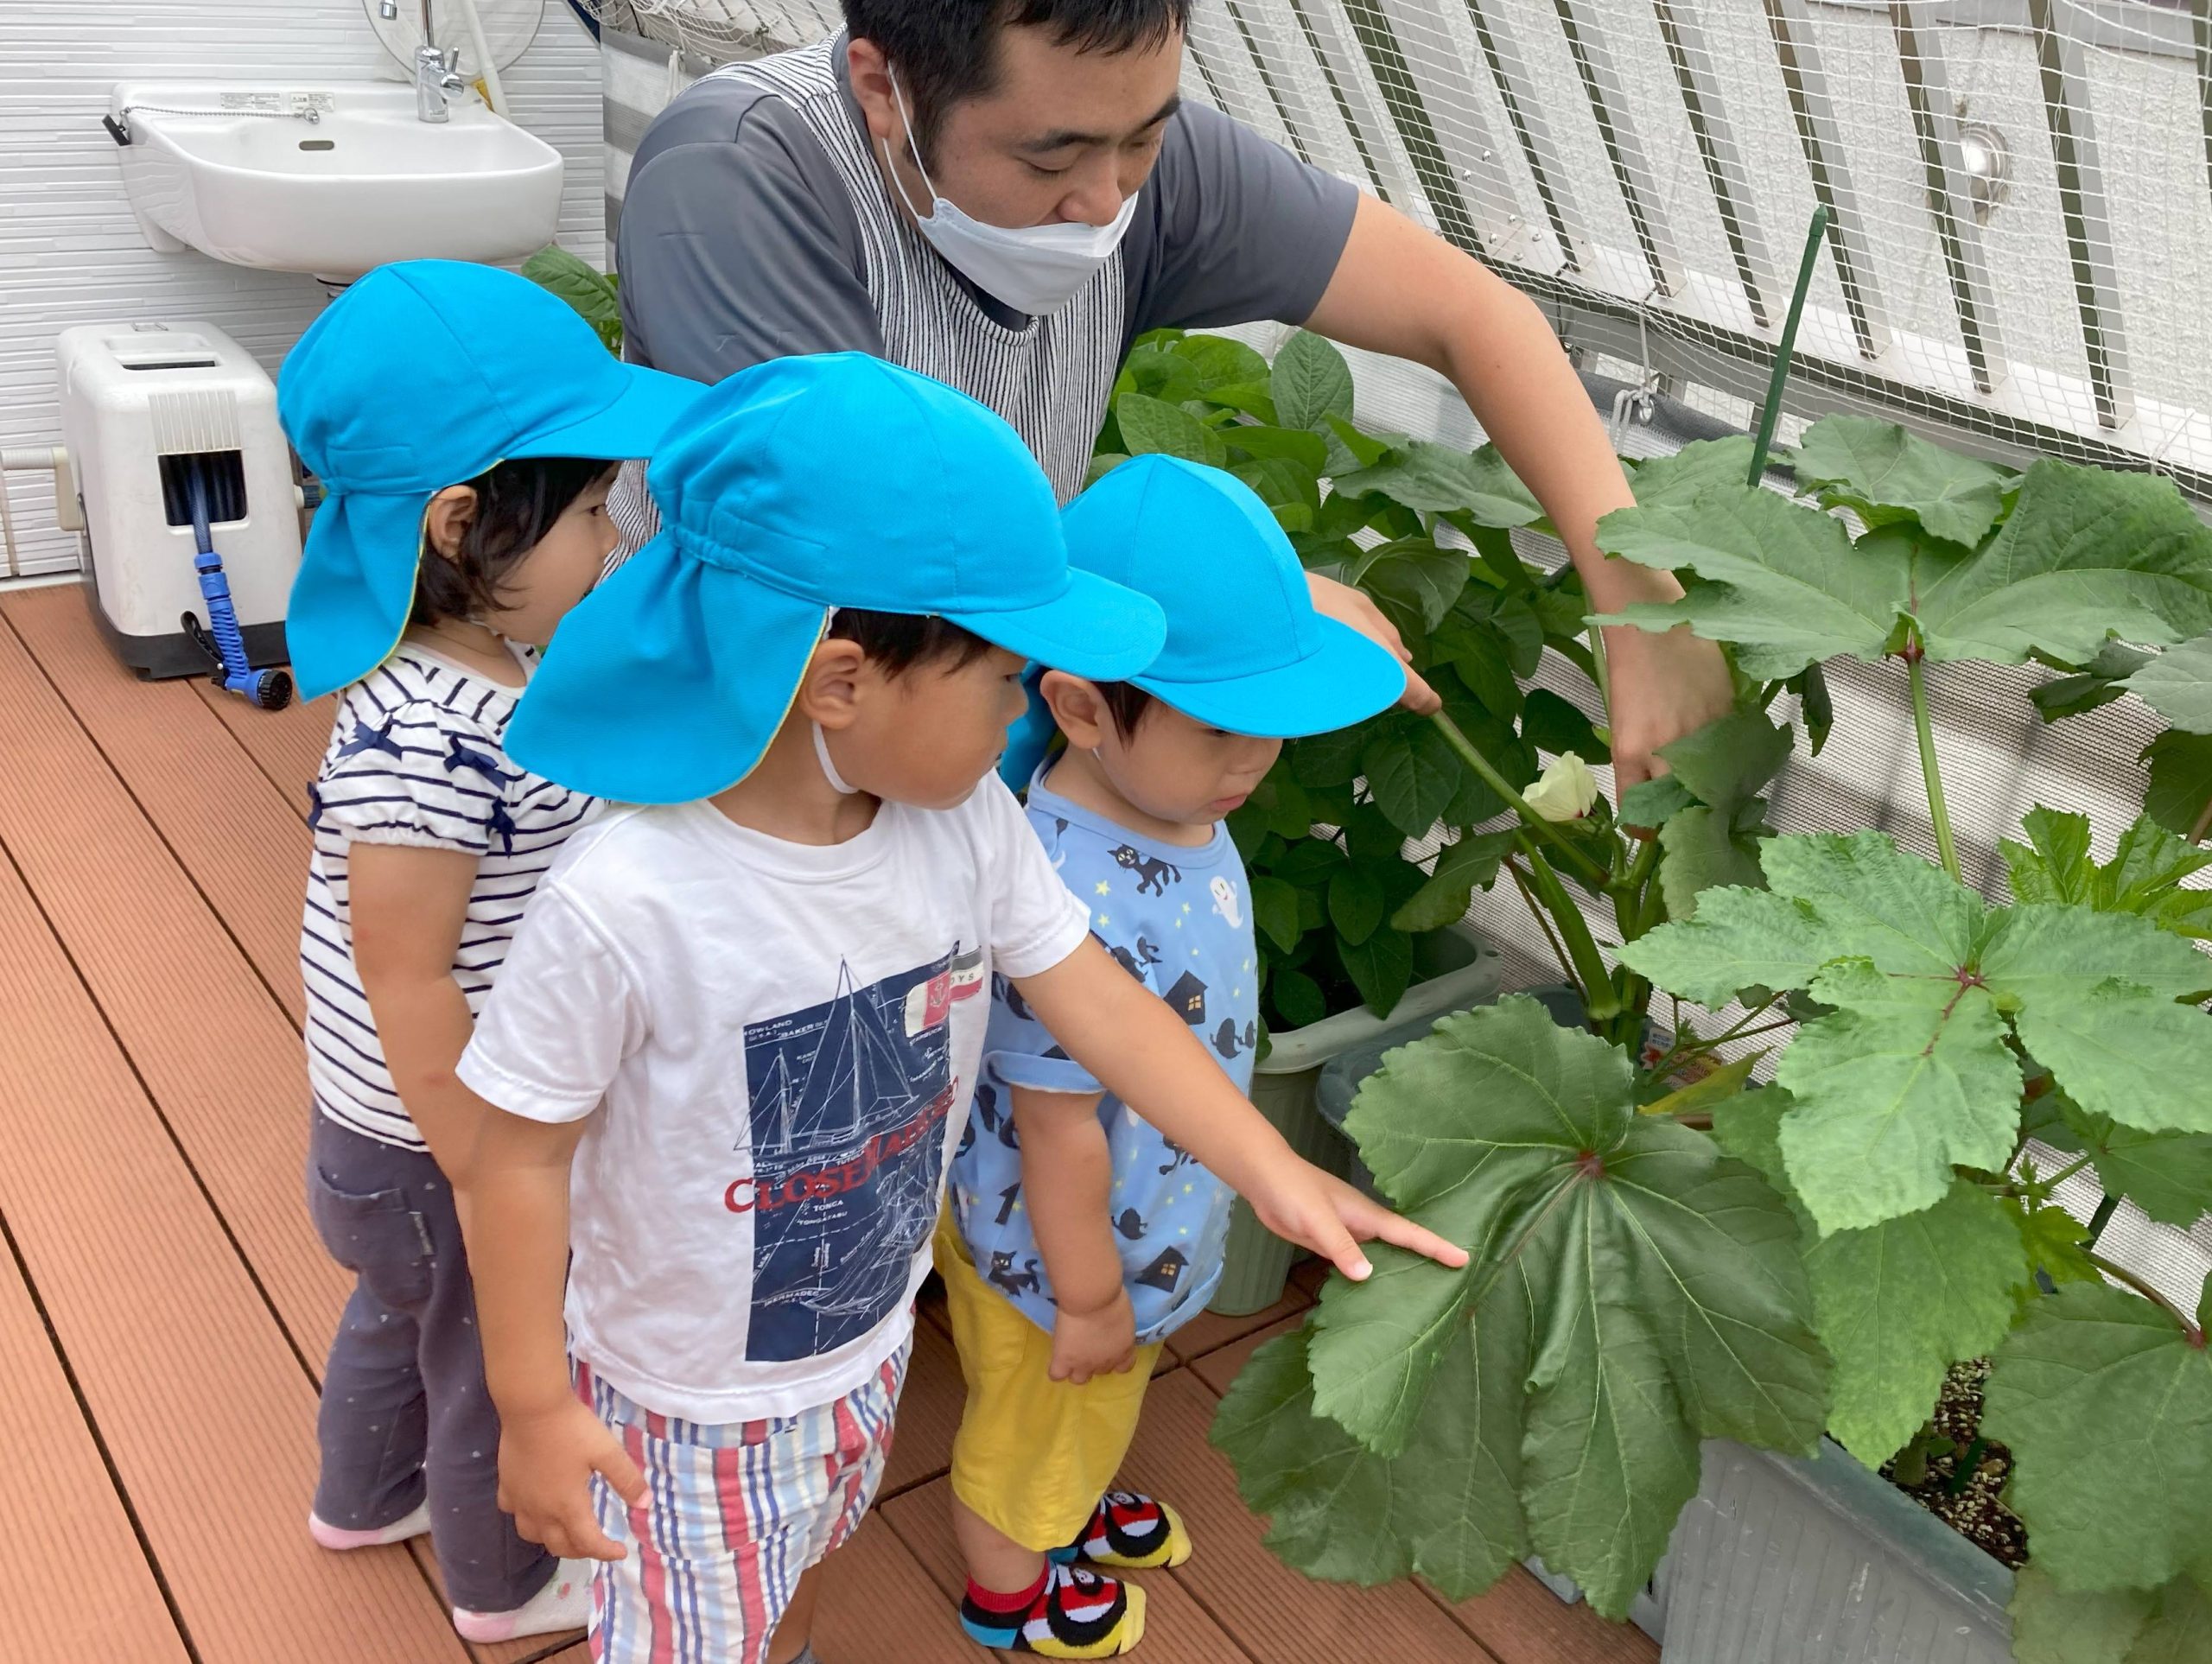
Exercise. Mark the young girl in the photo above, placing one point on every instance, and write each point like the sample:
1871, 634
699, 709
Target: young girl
427, 601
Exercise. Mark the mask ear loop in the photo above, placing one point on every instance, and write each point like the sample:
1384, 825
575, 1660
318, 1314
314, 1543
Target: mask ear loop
914, 150
837, 781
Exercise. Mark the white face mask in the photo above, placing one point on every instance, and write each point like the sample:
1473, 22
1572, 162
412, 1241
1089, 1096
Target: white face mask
1033, 269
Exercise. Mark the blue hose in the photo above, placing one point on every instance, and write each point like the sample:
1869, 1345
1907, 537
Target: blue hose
270, 689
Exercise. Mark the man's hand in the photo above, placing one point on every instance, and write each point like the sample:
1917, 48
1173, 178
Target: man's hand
1302, 1204
1663, 686
1101, 1341
1347, 605
546, 1462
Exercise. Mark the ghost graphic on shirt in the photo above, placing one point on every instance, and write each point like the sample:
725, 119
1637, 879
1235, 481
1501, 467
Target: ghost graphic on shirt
1224, 902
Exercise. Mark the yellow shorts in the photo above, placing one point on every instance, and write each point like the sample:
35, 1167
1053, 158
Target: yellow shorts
1033, 1455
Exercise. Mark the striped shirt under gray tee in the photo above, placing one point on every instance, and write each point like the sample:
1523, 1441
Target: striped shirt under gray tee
416, 757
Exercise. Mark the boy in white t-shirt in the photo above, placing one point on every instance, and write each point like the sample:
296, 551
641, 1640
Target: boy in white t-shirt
750, 1020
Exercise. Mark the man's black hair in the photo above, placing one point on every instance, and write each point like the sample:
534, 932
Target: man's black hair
516, 503
899, 641
1126, 704
947, 50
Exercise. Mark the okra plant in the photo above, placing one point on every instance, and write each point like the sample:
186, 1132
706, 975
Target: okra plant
1656, 1262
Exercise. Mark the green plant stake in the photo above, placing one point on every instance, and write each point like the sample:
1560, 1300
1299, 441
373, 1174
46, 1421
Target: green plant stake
1786, 350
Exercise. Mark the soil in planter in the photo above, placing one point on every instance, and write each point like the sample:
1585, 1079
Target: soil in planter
1969, 1501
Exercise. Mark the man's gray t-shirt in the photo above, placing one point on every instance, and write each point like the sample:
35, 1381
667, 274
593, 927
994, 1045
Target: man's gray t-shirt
738, 240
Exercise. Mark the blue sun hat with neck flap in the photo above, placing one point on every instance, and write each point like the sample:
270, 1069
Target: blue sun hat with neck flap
424, 375
1246, 650
793, 489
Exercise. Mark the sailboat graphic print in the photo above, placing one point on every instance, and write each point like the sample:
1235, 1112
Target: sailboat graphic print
848, 1104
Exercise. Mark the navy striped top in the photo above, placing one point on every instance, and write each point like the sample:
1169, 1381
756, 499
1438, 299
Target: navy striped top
415, 757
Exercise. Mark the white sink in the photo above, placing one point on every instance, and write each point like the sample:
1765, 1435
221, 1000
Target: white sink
256, 183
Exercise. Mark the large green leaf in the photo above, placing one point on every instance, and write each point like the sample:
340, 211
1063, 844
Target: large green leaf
1448, 891
1355, 903
1911, 1073
1435, 480
1448, 1511
593, 294
1414, 583
1279, 483
2179, 797
1666, 1294
1274, 912
1682, 476
2106, 1403
1731, 758
1653, 802
2097, 682
2177, 684
1310, 381
2086, 554
1293, 445
1723, 765
1782, 582
1218, 361
1381, 968
1553, 724
1412, 772
2168, 1625
2168, 1175
1701, 850
1886, 474
1910, 1076
2143, 877
1900, 1302
1153, 426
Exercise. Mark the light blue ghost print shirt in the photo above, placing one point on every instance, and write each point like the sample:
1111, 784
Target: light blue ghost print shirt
1181, 921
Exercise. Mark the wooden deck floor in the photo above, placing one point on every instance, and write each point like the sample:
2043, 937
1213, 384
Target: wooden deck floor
165, 1308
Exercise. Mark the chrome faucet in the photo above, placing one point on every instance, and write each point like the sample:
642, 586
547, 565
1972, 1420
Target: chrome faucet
436, 74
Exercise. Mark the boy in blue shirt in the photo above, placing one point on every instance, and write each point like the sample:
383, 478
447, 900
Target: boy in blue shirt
1079, 1236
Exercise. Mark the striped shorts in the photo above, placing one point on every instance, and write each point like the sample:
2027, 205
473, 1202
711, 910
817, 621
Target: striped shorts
732, 1515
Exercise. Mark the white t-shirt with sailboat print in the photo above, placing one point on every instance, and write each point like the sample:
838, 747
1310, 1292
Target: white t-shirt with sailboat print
780, 1042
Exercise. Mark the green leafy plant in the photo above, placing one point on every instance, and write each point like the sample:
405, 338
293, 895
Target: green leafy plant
595, 295
1815, 1255
1425, 530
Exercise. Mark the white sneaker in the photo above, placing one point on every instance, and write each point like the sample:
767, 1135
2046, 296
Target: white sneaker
337, 1538
563, 1604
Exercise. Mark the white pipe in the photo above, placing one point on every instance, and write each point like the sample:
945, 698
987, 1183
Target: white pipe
40, 459
8, 529
487, 68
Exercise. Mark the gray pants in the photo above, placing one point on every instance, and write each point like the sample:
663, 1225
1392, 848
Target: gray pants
405, 1413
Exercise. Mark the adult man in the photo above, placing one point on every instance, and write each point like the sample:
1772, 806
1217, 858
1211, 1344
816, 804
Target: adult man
1003, 193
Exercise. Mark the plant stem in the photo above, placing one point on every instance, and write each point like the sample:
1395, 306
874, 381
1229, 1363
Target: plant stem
1930, 771
1487, 770
1788, 347
2203, 823
1698, 1045
2068, 1171
2102, 1216
1542, 918
1601, 1000
1639, 875
1600, 672
2121, 1275
1630, 1024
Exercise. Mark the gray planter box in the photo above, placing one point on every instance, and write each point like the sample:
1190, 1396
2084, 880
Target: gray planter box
1822, 1562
